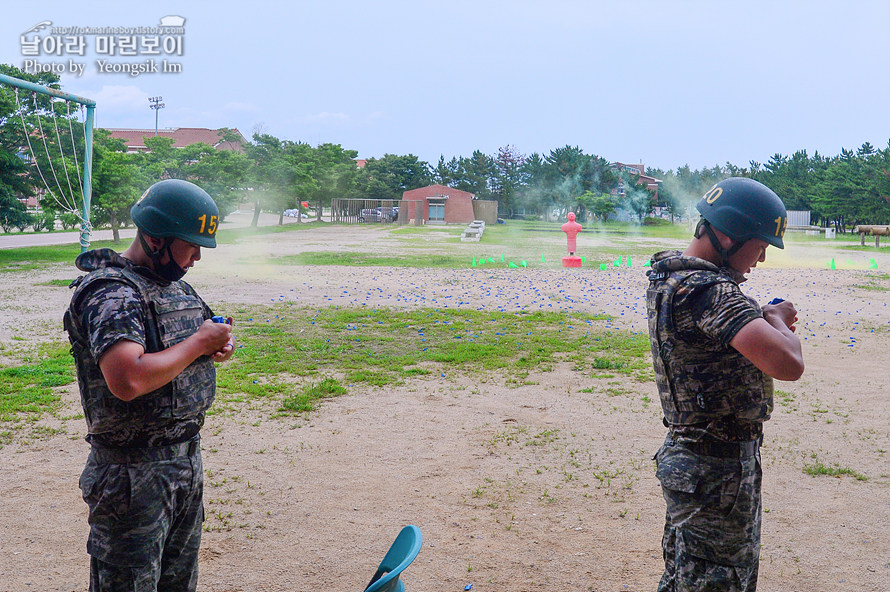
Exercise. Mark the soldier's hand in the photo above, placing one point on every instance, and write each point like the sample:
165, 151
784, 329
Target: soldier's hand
214, 336
782, 312
226, 352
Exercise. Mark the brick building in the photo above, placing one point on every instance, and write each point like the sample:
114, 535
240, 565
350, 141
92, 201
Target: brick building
438, 204
182, 137
635, 169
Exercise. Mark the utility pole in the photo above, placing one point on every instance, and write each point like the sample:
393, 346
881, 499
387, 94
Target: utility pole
156, 104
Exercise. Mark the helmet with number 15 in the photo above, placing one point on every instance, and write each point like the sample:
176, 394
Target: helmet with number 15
174, 208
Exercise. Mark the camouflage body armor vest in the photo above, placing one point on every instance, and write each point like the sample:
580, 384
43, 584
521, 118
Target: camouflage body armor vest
699, 380
172, 313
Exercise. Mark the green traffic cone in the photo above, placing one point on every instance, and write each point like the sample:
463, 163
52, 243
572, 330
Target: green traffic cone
603, 267
524, 263
512, 265
474, 262
628, 260
832, 266
542, 259
874, 264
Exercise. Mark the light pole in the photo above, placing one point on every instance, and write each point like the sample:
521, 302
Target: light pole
156, 104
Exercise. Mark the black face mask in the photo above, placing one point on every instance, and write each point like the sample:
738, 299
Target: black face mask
170, 270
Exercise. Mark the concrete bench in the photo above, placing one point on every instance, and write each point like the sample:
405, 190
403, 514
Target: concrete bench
473, 232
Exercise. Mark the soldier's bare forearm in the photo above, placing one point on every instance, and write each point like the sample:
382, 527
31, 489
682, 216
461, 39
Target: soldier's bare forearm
131, 372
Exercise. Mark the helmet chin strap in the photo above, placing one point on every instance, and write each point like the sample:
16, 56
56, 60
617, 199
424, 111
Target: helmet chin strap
725, 254
171, 270
155, 255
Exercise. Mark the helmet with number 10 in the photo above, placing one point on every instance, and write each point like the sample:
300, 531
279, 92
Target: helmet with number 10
743, 209
177, 209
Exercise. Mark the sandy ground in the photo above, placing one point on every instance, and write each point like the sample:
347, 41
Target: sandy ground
541, 486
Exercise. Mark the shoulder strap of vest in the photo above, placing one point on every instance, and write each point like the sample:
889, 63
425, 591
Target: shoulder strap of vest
143, 285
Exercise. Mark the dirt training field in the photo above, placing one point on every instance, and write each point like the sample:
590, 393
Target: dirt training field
542, 480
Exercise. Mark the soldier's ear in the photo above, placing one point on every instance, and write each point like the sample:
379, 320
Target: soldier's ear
725, 241
154, 243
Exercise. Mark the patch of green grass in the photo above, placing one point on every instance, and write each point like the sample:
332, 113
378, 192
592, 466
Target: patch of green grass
784, 397
543, 437
413, 259
855, 246
56, 283
228, 236
306, 399
39, 432
601, 363
509, 436
817, 468
381, 347
874, 284
618, 229
26, 258
28, 389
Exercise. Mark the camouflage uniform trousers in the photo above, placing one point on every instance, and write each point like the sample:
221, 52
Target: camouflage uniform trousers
712, 526
145, 521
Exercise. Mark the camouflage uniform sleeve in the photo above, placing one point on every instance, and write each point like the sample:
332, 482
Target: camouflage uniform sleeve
722, 310
111, 311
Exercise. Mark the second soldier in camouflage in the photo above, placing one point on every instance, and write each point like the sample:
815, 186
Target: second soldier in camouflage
715, 353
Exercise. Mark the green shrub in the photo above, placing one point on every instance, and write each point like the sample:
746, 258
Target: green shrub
44, 221
656, 222
69, 220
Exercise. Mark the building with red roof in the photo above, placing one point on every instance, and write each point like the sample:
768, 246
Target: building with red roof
438, 204
182, 137
635, 169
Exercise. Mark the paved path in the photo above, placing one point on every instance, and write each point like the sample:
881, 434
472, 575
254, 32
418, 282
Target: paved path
14, 240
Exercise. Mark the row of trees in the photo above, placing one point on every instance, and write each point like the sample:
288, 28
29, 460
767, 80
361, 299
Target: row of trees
844, 190
276, 174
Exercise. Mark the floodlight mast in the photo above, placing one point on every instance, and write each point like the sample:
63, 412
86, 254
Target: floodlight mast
156, 104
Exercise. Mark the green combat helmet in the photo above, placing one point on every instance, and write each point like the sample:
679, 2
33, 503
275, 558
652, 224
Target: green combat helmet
743, 209
177, 209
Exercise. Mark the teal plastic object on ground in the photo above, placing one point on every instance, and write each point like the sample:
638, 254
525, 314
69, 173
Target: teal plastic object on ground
400, 555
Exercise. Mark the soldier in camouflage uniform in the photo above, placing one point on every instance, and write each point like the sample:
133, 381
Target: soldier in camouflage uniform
716, 353
144, 347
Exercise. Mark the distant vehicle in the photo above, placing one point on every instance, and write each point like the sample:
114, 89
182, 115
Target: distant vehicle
388, 214
370, 215
293, 213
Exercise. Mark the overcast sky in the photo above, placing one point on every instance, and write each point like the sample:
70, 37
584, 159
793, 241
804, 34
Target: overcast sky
667, 83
